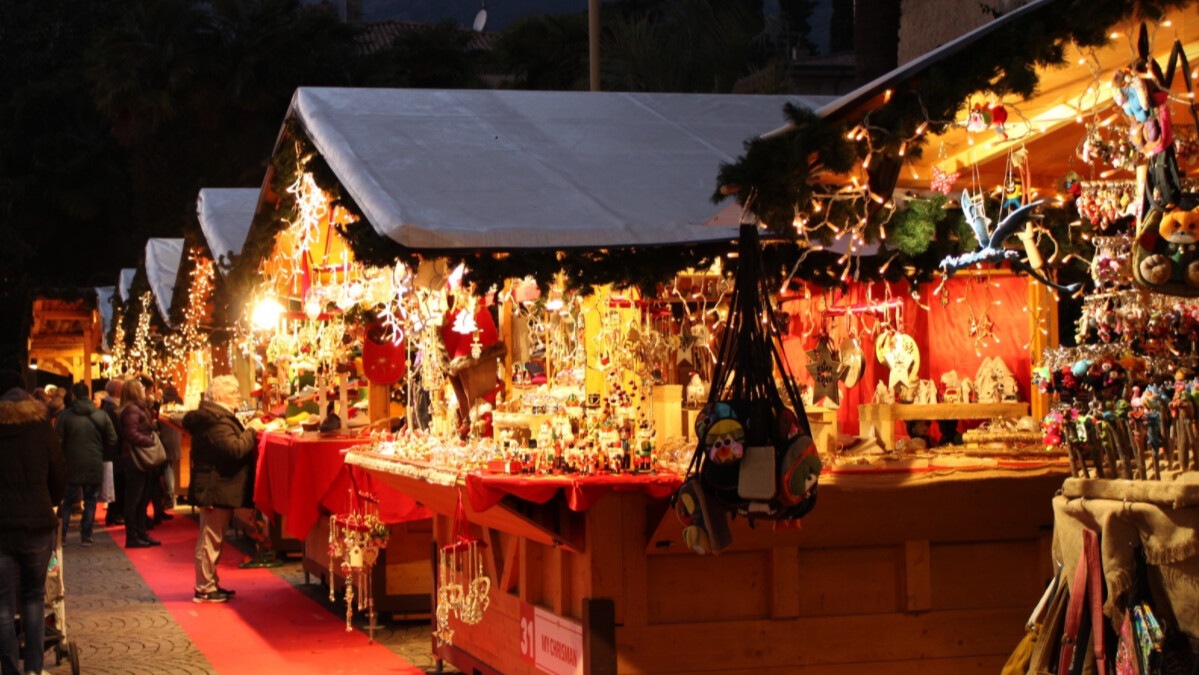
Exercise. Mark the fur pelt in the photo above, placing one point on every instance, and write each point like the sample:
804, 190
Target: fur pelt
492, 351
21, 412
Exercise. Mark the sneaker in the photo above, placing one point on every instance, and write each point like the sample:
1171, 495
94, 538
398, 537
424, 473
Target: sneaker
211, 596
87, 541
226, 591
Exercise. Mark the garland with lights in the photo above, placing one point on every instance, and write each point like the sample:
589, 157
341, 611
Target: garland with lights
786, 178
189, 339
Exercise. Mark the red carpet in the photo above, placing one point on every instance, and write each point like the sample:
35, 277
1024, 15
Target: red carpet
270, 627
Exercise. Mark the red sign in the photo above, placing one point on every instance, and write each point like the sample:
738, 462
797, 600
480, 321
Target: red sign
528, 634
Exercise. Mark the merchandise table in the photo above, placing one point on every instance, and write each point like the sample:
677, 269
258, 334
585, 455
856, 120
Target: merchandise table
894, 564
302, 479
298, 475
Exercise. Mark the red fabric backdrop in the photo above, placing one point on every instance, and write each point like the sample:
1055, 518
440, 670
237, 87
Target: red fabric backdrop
941, 332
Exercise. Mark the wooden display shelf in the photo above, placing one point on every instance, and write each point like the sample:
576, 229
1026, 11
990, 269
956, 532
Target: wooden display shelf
825, 427
883, 416
402, 577
891, 573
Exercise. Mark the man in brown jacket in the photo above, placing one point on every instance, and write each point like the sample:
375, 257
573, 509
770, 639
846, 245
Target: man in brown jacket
223, 453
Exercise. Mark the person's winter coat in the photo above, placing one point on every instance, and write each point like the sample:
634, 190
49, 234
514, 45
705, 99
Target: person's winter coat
136, 429
33, 470
109, 407
223, 453
85, 432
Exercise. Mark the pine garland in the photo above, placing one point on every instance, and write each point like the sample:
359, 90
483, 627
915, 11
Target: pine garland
777, 172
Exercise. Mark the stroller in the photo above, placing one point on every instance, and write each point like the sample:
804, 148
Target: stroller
56, 616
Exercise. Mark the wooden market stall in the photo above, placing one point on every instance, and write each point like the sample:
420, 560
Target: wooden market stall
928, 560
606, 584
294, 285
65, 337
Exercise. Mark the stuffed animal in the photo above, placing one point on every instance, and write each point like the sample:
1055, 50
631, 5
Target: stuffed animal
1180, 229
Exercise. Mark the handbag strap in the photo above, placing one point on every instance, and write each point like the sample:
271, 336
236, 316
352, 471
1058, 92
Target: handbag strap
1087, 583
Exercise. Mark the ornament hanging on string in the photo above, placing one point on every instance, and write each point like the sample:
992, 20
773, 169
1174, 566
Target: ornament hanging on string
824, 364
355, 540
463, 587
903, 358
942, 180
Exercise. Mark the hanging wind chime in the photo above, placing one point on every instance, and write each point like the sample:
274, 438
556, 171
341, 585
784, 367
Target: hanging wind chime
463, 586
356, 538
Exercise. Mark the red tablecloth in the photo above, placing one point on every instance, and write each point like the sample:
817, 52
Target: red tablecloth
582, 492
296, 476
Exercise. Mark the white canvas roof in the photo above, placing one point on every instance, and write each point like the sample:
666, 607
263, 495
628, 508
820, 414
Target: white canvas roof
162, 266
490, 169
125, 281
225, 215
104, 304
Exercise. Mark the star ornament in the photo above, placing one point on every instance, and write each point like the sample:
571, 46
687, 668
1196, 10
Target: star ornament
943, 182
824, 365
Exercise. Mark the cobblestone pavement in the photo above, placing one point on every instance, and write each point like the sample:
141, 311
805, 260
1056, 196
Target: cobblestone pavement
120, 626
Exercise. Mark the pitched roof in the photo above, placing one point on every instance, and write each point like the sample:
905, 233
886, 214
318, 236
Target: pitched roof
505, 170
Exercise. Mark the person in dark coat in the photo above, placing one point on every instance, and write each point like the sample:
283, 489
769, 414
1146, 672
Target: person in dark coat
136, 429
33, 478
116, 508
86, 432
223, 453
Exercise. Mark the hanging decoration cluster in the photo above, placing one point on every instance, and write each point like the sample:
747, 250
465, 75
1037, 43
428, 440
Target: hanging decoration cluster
355, 540
463, 586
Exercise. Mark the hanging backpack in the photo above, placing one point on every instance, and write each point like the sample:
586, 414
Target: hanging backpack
754, 453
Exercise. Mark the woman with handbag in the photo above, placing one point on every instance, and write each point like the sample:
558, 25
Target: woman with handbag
137, 437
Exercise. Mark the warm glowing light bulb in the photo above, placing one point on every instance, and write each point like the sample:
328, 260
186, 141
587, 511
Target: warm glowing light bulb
266, 313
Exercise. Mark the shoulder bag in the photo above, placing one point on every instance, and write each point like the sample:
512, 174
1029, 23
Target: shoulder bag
149, 457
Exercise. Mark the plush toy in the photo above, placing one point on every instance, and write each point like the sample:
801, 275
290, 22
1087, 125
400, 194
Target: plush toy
1180, 229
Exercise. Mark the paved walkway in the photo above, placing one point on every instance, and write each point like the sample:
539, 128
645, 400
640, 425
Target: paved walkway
121, 627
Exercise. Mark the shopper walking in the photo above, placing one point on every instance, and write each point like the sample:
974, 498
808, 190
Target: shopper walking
33, 474
222, 457
116, 507
136, 430
85, 432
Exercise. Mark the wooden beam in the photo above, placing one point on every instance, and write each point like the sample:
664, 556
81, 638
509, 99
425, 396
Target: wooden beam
65, 314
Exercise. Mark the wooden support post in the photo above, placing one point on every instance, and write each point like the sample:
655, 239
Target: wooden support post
505, 329
599, 636
1042, 316
918, 580
378, 401
88, 348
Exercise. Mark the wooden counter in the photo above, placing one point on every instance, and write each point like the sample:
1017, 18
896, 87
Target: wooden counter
931, 572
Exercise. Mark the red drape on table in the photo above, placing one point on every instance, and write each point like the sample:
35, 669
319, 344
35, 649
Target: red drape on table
297, 476
942, 333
